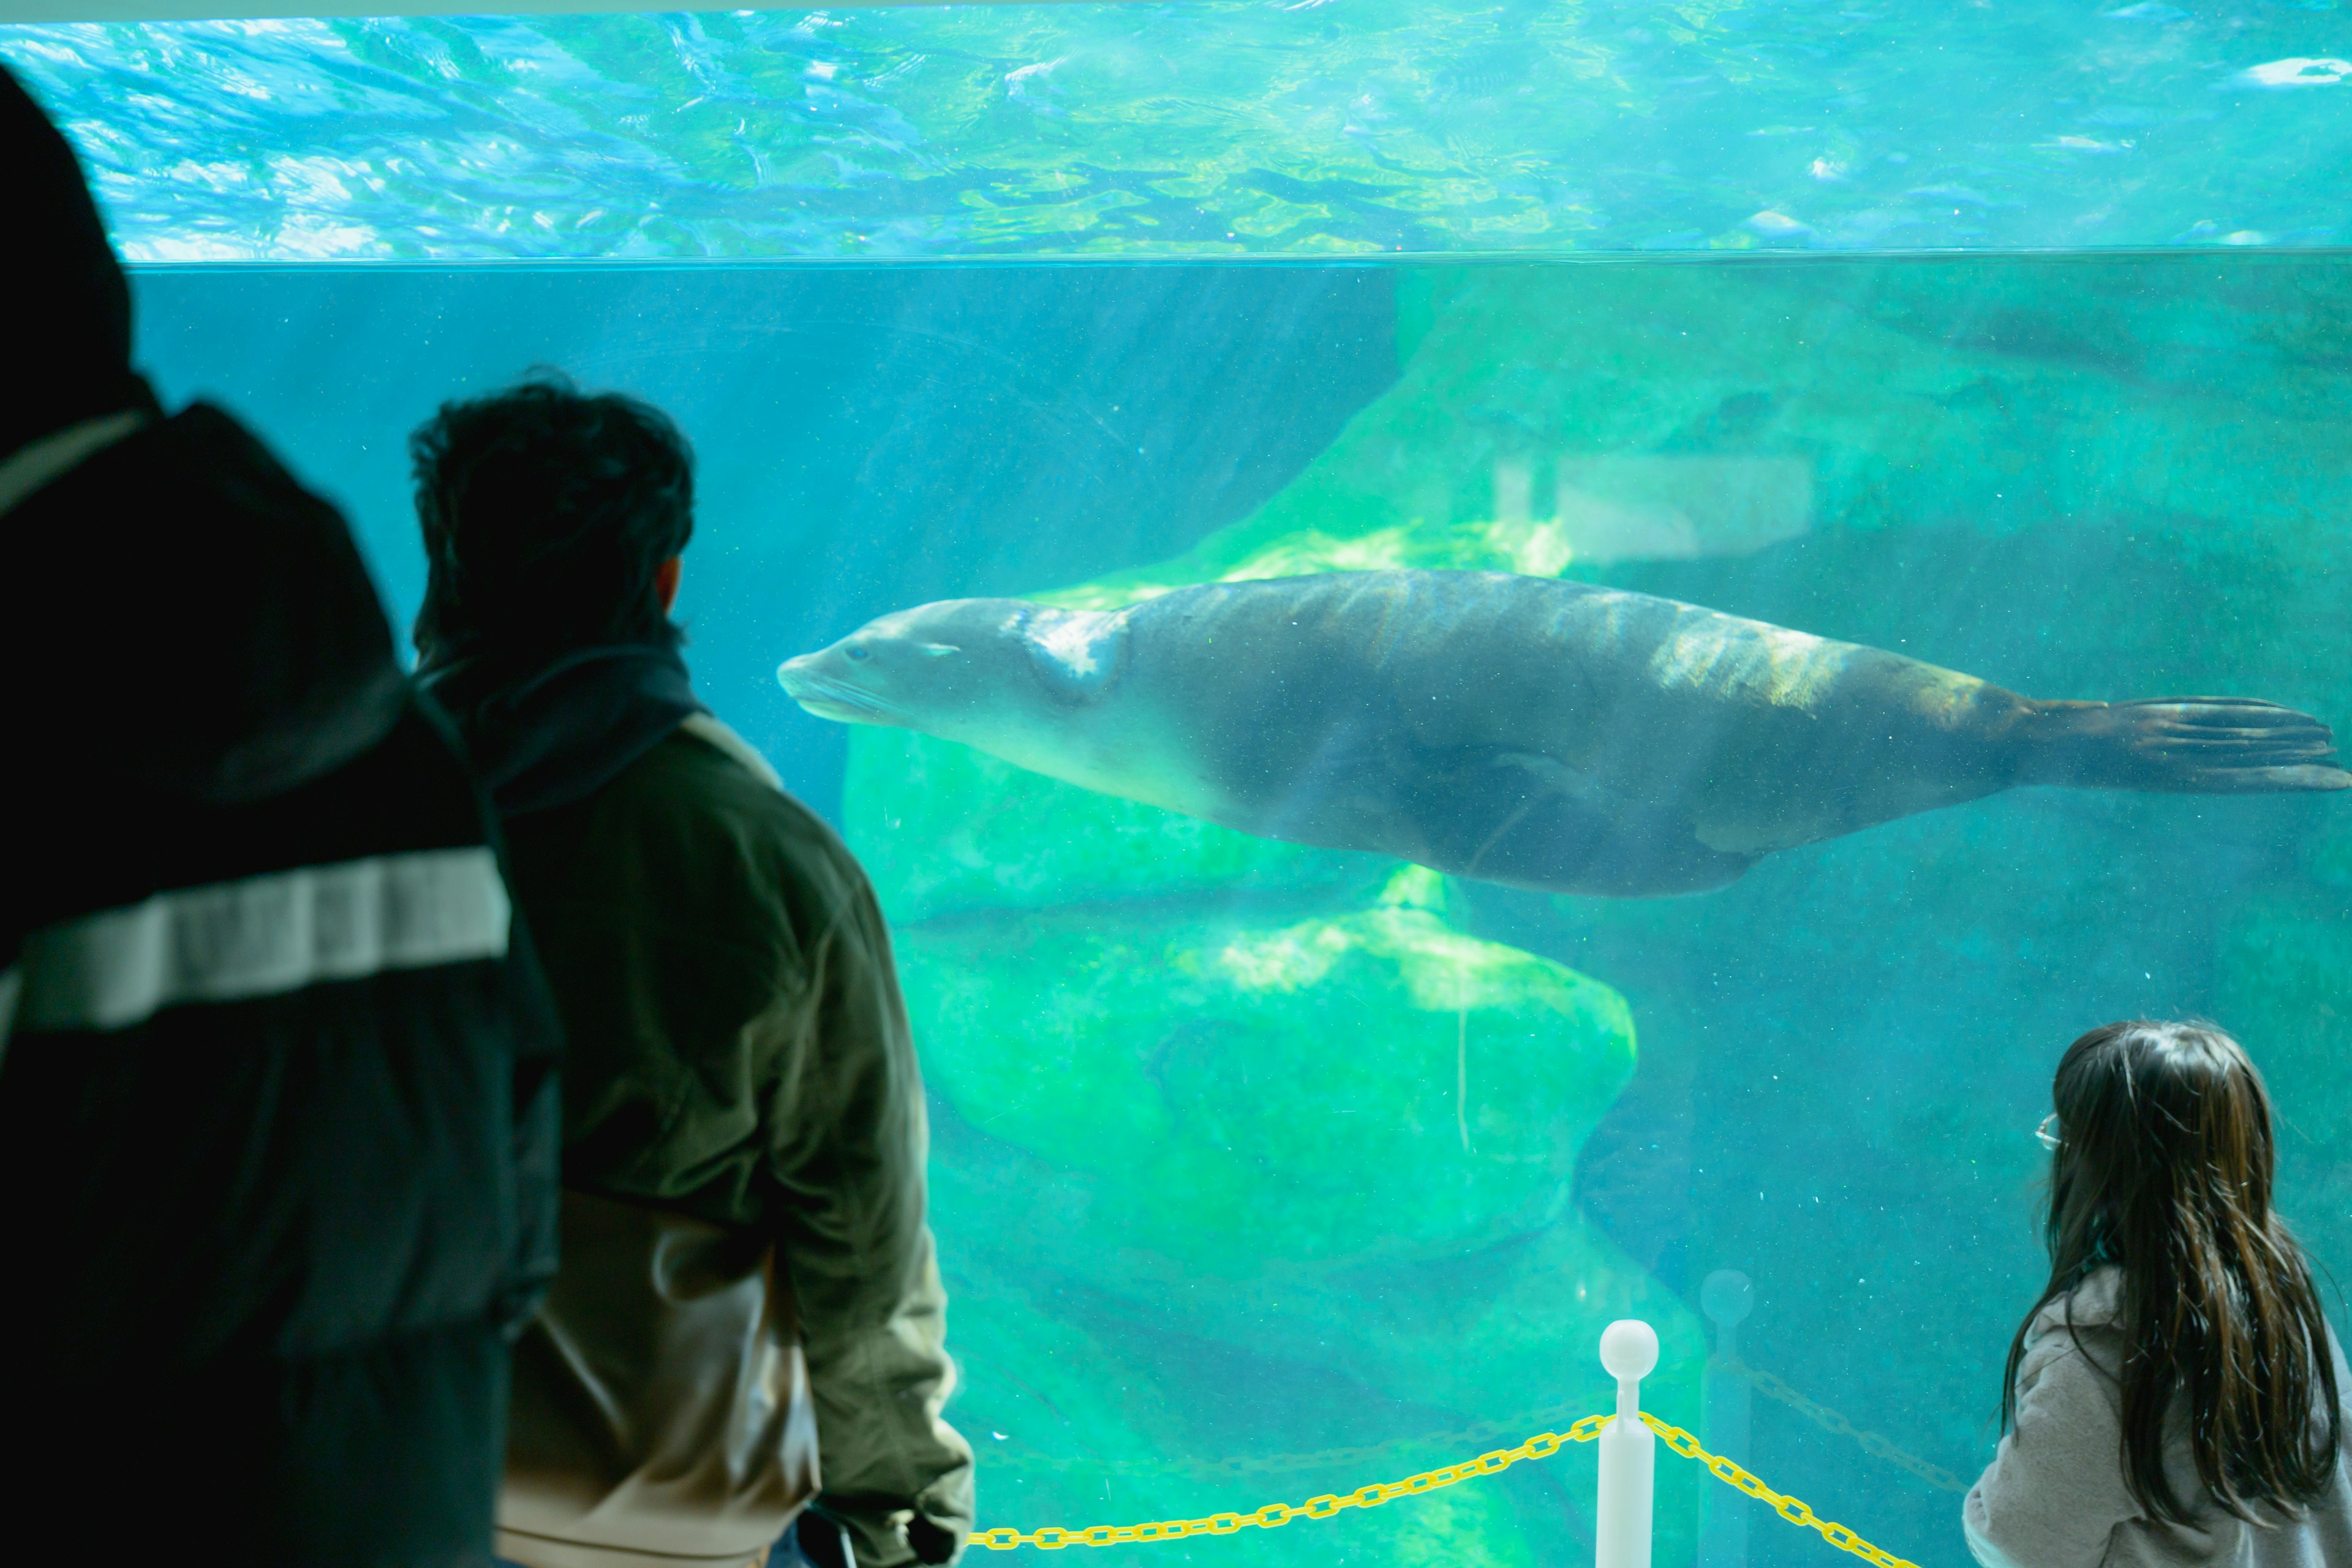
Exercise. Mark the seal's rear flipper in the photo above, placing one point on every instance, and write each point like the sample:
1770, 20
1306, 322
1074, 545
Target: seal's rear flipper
2181, 746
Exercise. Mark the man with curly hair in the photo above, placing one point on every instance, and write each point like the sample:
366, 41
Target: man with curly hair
748, 1281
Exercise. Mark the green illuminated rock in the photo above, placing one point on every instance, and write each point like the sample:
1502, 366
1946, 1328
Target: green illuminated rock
1215, 1194
1568, 419
1249, 1093
942, 828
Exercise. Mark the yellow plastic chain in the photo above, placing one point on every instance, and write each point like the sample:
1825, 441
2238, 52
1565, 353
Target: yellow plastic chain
1787, 1507
1542, 1446
1764, 1382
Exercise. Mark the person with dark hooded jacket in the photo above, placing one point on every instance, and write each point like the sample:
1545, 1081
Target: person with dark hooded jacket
277, 1114
748, 1319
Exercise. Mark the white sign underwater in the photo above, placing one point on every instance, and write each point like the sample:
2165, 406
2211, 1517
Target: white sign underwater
1650, 508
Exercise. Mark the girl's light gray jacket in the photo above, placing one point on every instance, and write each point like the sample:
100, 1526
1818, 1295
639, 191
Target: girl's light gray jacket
2053, 1496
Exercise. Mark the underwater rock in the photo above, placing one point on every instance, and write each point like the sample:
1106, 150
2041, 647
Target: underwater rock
1762, 408
1557, 736
1208, 1190
1244, 1094
1115, 1407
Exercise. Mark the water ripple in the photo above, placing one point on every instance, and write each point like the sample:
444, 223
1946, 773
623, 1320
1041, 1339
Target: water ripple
1353, 127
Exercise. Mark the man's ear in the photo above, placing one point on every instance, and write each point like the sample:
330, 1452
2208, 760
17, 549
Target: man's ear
666, 577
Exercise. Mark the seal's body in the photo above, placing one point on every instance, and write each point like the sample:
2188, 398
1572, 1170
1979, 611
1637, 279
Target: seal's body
1517, 730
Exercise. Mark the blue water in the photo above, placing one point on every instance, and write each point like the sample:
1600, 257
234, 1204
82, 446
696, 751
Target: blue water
867, 440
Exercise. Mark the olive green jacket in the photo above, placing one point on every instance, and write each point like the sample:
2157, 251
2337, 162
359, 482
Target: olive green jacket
740, 1066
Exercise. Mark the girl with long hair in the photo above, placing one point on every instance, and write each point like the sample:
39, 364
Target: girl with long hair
2175, 1395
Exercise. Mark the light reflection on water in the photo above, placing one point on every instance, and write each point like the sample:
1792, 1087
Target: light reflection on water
1353, 126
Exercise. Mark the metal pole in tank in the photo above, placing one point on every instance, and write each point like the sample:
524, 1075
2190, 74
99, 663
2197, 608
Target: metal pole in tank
1629, 1451
1726, 1297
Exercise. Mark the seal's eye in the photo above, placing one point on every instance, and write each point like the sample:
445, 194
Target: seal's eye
858, 652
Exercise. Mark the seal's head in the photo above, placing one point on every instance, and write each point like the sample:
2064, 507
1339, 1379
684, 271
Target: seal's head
1003, 675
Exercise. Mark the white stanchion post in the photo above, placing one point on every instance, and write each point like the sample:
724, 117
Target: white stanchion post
1628, 1450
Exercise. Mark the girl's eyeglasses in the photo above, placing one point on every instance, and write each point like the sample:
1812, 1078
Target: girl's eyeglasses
2048, 1132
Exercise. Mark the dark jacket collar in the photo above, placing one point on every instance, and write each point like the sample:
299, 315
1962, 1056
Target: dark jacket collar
550, 730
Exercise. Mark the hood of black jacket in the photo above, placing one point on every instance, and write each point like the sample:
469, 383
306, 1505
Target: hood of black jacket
190, 619
68, 307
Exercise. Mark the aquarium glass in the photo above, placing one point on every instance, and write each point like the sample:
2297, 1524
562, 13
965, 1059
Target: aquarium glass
1264, 1169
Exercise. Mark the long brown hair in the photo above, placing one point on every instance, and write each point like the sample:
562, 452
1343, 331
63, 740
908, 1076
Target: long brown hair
2164, 1168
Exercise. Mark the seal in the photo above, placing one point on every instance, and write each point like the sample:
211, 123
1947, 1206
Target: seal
1524, 730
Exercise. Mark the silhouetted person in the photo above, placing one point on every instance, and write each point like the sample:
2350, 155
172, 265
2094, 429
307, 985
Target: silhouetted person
277, 1114
748, 1281
2176, 1397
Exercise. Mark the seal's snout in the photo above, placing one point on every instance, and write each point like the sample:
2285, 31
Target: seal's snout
908, 669
806, 679
829, 683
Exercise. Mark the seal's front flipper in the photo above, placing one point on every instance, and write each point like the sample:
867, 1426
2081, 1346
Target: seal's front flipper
2181, 746
1528, 821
